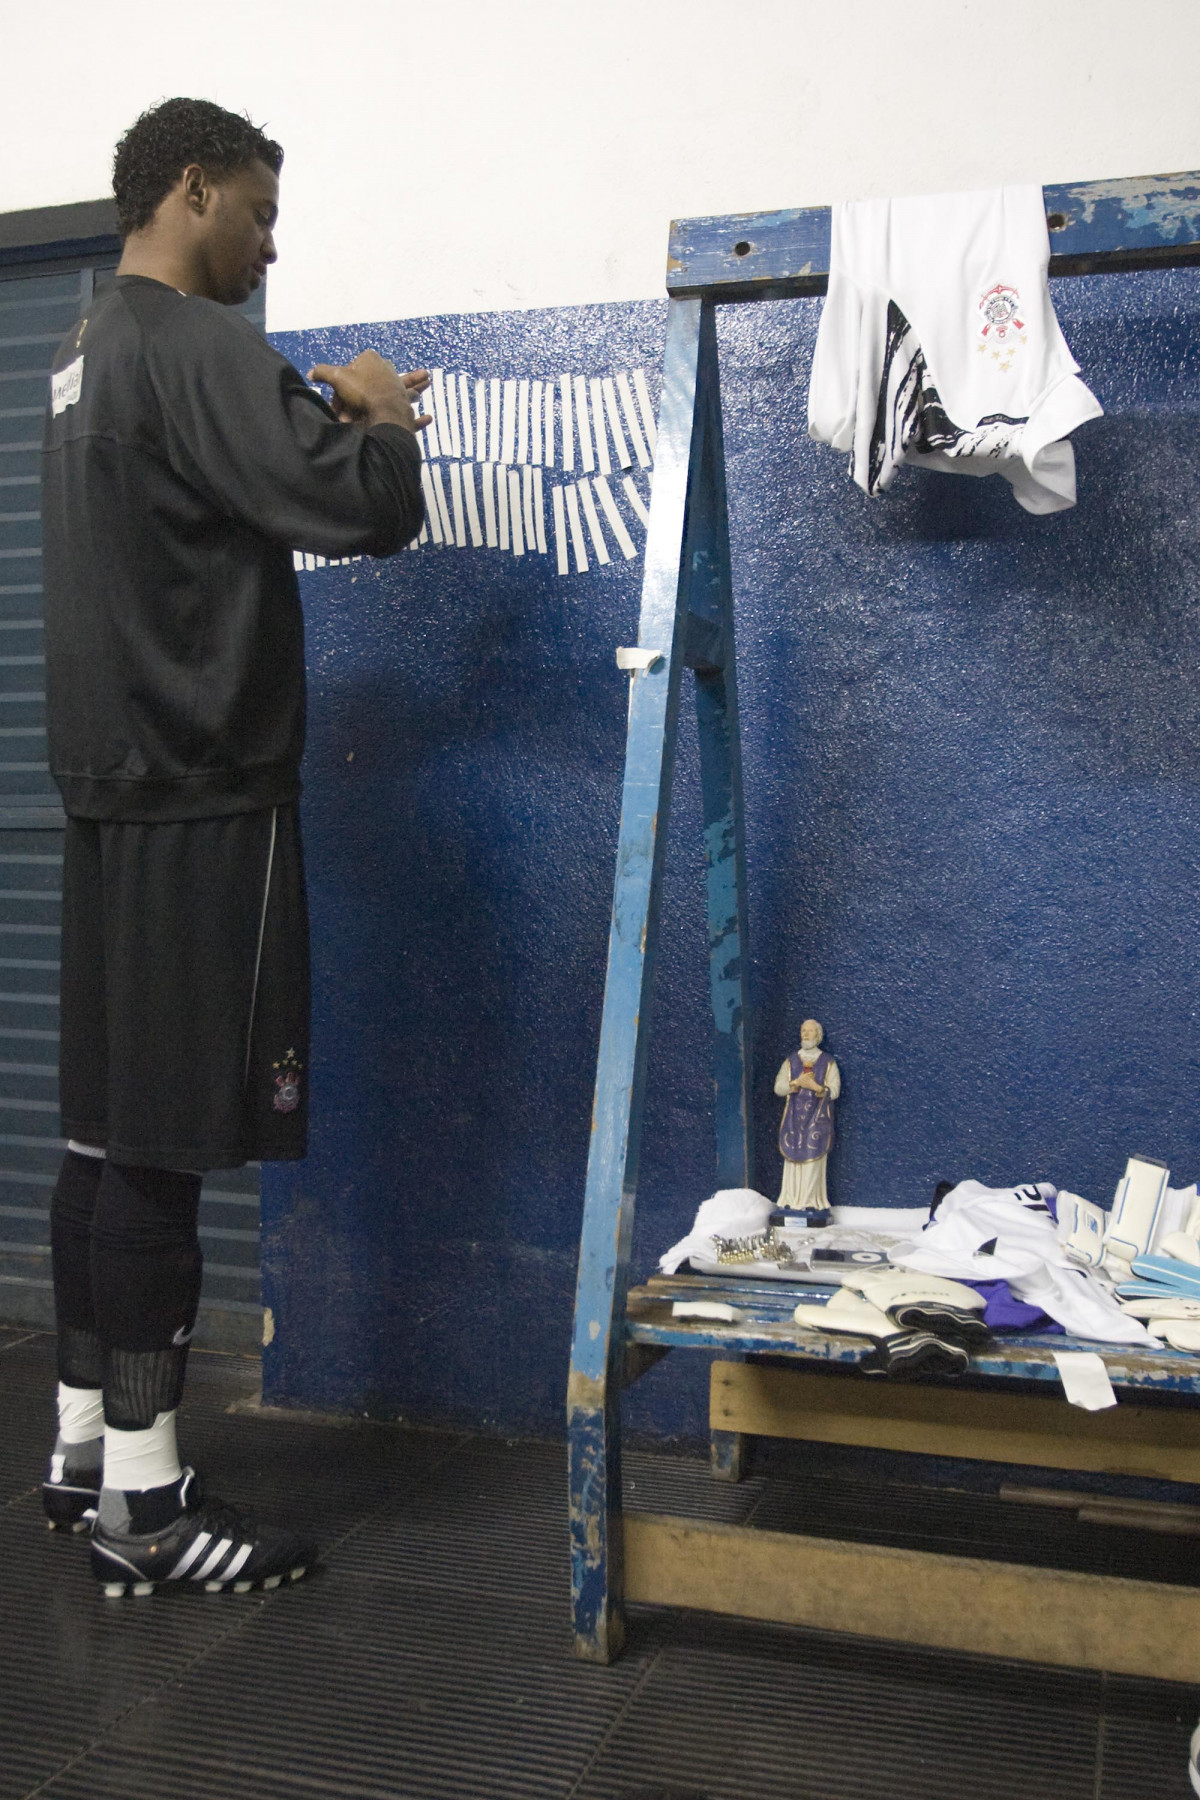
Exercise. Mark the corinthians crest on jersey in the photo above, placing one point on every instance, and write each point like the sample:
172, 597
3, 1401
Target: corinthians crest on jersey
1002, 325
286, 1097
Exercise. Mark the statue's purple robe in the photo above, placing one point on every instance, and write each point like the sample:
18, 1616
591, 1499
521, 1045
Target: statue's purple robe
807, 1129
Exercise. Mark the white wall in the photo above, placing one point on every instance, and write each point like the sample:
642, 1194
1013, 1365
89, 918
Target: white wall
489, 154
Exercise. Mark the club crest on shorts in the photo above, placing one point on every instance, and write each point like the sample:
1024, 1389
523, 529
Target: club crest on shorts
1002, 327
286, 1097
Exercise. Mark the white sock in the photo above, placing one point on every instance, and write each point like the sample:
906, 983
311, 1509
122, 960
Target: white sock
80, 1414
137, 1460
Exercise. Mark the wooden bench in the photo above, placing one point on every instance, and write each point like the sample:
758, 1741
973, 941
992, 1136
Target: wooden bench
772, 1378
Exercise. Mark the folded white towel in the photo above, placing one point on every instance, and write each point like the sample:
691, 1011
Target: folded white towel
938, 345
730, 1213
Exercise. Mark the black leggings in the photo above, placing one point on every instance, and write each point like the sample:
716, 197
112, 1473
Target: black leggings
127, 1266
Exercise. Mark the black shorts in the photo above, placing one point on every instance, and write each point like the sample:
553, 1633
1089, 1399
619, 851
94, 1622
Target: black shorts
185, 990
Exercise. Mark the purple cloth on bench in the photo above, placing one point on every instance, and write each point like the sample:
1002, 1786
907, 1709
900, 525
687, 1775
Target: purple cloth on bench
1002, 1310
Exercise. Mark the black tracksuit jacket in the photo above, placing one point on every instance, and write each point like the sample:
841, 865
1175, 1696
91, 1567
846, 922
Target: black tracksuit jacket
184, 461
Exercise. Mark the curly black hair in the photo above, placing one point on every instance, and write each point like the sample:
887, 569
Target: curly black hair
158, 147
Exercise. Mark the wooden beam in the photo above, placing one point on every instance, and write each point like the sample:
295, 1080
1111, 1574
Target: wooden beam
710, 603
598, 1350
1145, 1628
727, 1456
1163, 1442
1136, 223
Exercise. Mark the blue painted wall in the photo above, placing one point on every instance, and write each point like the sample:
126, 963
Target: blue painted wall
972, 752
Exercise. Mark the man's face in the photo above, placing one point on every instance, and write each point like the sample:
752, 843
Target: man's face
237, 240
810, 1034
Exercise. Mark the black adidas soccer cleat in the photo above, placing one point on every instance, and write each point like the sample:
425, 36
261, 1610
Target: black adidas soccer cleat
908, 1354
953, 1324
70, 1497
209, 1544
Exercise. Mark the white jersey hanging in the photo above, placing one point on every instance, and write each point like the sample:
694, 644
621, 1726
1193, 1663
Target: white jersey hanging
938, 345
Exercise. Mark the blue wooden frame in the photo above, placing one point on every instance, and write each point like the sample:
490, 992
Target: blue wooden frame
687, 619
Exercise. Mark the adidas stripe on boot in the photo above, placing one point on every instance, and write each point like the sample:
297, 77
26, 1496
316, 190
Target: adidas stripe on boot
208, 1543
70, 1497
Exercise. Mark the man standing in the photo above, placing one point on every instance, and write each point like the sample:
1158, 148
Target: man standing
184, 461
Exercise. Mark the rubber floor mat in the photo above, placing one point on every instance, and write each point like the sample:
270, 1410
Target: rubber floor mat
70, 1663
351, 1692
430, 1658
731, 1724
1144, 1739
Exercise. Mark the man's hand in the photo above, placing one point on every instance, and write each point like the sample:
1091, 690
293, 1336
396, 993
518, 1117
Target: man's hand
368, 391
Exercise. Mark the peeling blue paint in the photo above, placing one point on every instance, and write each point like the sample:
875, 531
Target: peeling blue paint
1168, 214
746, 255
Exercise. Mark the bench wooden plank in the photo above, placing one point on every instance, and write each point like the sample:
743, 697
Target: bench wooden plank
1156, 1441
767, 1329
1094, 225
1076, 1621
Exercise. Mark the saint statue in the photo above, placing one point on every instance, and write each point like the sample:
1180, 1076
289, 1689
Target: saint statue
810, 1082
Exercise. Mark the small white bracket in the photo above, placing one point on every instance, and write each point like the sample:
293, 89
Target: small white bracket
636, 658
